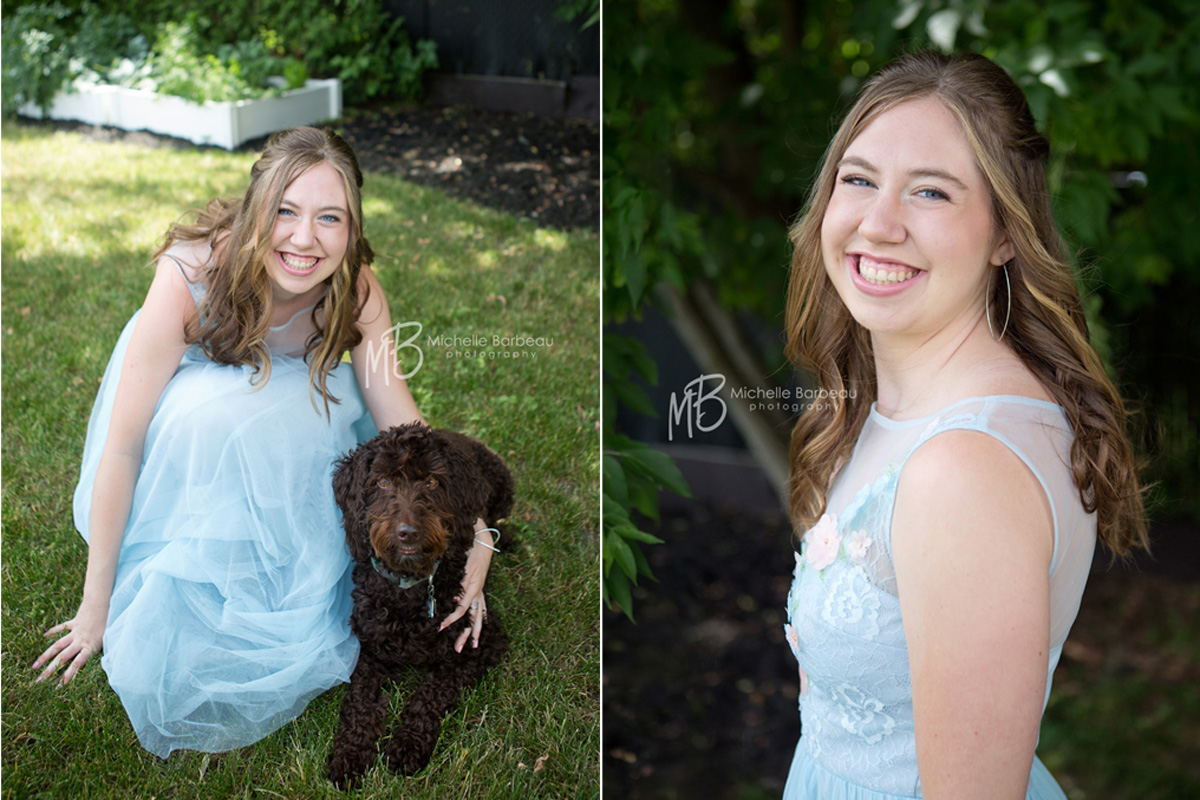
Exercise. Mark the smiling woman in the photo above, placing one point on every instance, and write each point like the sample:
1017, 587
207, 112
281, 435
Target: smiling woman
247, 281
954, 485
312, 229
901, 220
217, 581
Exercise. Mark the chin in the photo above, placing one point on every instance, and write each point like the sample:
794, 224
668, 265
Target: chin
297, 284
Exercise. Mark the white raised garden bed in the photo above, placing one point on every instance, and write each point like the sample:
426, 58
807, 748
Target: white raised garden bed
224, 124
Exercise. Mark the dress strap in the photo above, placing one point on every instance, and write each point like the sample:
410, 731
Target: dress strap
194, 286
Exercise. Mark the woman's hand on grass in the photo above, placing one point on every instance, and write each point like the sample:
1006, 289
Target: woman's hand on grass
472, 599
83, 639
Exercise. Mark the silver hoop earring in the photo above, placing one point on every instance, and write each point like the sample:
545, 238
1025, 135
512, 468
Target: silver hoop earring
1008, 312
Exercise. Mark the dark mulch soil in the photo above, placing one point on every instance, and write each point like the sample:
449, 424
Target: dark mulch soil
700, 695
547, 169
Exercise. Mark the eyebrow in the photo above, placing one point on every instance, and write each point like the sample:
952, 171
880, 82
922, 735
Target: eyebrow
920, 172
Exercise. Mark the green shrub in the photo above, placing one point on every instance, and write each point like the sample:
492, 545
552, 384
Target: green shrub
357, 41
36, 64
238, 71
216, 50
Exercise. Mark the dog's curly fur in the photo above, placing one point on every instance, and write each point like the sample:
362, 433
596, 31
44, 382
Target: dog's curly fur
409, 500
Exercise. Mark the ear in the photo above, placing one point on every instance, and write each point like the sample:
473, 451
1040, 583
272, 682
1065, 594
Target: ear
1003, 252
499, 480
470, 491
349, 489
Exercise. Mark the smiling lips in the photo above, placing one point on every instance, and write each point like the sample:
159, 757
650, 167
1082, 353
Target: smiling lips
882, 273
298, 265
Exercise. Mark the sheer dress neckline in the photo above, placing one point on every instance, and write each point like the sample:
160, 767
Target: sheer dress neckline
843, 611
288, 339
888, 422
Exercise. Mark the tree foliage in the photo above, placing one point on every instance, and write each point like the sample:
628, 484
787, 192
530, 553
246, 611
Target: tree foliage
717, 112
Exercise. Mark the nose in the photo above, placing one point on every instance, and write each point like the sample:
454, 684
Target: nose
883, 220
405, 530
302, 233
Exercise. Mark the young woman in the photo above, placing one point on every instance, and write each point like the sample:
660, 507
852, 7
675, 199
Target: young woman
951, 490
218, 581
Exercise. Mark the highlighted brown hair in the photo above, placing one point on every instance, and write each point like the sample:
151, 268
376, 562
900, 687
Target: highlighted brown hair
233, 321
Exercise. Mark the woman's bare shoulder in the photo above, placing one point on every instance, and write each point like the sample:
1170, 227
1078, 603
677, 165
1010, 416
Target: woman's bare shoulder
192, 254
981, 484
370, 296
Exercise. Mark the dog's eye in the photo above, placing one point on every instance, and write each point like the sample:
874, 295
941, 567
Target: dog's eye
431, 482
384, 483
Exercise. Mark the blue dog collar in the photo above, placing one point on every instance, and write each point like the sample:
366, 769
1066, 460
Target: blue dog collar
408, 582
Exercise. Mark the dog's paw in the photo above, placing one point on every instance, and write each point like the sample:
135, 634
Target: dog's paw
345, 771
408, 755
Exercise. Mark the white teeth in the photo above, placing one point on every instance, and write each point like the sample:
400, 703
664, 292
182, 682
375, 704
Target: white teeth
883, 276
302, 263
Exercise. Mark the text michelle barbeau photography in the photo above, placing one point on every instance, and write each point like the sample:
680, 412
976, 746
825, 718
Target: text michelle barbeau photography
492, 348
701, 408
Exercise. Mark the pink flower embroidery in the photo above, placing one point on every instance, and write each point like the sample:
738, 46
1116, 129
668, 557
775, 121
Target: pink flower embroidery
824, 542
859, 543
794, 640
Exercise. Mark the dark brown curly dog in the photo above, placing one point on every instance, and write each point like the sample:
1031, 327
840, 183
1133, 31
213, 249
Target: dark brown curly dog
409, 500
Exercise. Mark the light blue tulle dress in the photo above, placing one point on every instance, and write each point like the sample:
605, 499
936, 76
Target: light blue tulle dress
231, 603
857, 740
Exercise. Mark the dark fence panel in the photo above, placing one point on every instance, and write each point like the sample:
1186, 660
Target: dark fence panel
508, 38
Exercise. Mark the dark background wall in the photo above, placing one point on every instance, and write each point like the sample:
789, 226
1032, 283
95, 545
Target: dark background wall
509, 38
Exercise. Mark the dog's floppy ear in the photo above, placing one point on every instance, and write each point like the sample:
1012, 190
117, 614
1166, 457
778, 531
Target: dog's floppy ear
470, 490
499, 481
349, 489
490, 474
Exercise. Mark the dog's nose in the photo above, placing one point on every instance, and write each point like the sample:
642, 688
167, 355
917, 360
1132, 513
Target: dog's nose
405, 530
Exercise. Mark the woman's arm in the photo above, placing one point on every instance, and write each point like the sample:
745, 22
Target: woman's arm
375, 365
151, 358
390, 403
972, 538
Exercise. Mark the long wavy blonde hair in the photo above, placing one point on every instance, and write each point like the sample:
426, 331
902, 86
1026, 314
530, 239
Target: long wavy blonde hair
232, 323
1047, 329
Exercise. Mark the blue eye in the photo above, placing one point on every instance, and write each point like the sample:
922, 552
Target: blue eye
933, 194
283, 211
331, 218
856, 180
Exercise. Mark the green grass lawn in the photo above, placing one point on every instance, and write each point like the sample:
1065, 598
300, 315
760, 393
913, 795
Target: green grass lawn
81, 219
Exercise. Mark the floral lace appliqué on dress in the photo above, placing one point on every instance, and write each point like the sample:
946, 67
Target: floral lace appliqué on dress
844, 624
